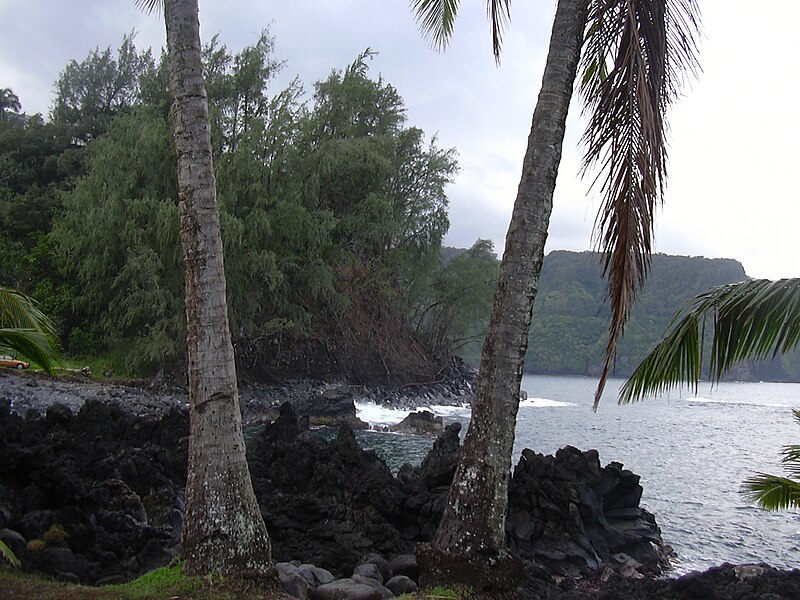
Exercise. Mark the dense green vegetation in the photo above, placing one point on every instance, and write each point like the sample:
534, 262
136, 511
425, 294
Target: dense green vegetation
333, 210
568, 332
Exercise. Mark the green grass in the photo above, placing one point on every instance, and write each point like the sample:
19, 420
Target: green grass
159, 581
160, 584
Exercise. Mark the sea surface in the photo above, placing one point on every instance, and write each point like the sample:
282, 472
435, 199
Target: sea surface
692, 452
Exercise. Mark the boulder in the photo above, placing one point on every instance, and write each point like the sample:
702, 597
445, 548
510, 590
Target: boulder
422, 422
405, 565
381, 563
369, 571
332, 406
400, 584
346, 589
13, 539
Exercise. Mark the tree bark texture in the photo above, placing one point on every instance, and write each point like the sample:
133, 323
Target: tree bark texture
223, 529
473, 522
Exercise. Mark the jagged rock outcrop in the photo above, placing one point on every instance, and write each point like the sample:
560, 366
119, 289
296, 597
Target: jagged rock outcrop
577, 519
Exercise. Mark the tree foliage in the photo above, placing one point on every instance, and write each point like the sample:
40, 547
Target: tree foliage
89, 93
460, 300
322, 197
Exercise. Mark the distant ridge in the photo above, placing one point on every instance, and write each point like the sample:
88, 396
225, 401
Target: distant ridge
570, 315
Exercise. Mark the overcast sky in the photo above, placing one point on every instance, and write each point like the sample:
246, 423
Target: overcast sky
734, 137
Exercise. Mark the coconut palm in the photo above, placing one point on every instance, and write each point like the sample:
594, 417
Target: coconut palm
223, 529
634, 53
9, 102
25, 330
752, 319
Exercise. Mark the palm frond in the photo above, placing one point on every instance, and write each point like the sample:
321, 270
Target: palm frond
8, 555
772, 492
791, 460
25, 330
32, 344
636, 52
751, 319
18, 310
436, 19
149, 6
499, 12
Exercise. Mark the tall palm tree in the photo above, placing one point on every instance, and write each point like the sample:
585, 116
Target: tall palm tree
223, 528
9, 102
25, 330
751, 319
633, 54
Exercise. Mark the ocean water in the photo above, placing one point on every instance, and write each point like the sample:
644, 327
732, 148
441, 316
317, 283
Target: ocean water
691, 451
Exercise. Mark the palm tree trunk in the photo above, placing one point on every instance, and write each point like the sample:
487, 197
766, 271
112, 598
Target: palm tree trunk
470, 535
223, 529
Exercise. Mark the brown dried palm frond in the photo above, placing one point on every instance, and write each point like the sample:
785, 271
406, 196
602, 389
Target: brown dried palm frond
636, 54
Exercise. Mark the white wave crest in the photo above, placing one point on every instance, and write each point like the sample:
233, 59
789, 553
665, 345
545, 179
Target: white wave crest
543, 403
702, 400
374, 414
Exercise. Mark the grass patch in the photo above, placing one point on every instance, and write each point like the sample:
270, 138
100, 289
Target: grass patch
156, 583
160, 584
437, 593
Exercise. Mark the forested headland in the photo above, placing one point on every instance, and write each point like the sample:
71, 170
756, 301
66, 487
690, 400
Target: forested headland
333, 210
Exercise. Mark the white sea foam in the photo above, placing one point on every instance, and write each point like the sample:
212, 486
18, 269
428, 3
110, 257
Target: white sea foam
374, 414
543, 403
448, 411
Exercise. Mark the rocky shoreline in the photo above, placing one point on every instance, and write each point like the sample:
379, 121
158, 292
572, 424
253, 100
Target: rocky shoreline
325, 404
91, 490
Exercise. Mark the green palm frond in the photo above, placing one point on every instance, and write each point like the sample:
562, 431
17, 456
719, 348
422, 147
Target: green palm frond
17, 310
436, 19
25, 330
8, 555
772, 492
751, 319
791, 460
635, 55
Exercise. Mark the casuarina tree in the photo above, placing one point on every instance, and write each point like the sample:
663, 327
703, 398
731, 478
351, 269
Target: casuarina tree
223, 529
633, 54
